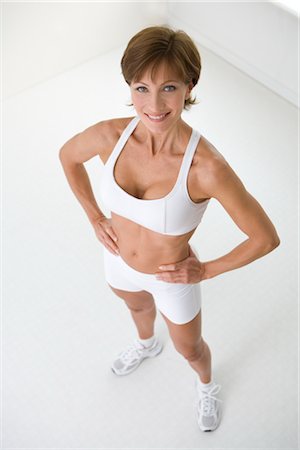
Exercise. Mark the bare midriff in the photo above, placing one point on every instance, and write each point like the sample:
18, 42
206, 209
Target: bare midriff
145, 250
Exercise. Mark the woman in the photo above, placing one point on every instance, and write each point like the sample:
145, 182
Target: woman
158, 179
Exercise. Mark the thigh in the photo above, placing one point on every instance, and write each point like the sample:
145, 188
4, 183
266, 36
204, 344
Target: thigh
185, 335
135, 301
181, 311
124, 283
179, 303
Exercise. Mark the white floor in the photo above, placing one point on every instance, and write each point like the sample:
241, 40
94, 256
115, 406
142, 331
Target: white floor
62, 325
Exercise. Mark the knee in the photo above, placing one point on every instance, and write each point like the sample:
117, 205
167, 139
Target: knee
192, 352
141, 309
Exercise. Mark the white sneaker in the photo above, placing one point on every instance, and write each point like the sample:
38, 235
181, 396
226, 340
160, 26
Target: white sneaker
129, 360
208, 407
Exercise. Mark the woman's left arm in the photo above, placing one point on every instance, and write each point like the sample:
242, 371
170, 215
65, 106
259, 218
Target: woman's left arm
225, 186
219, 181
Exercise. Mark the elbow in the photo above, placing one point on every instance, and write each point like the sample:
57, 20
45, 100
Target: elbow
275, 241
268, 244
63, 157
271, 244
61, 154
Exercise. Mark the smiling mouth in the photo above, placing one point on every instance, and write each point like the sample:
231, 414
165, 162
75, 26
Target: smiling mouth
157, 117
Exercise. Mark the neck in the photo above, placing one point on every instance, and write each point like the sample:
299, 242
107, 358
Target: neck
166, 140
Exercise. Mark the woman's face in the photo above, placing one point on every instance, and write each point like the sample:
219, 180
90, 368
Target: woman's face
159, 102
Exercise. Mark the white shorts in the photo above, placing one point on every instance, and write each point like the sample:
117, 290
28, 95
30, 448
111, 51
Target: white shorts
179, 302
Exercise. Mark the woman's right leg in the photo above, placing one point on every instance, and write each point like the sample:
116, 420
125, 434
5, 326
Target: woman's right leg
122, 280
142, 308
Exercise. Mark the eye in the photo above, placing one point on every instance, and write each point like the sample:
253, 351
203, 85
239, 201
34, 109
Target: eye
140, 87
170, 86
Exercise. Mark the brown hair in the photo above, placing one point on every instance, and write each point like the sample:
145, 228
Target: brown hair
154, 45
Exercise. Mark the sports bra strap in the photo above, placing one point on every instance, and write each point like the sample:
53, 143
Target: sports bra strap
187, 157
189, 154
123, 138
129, 129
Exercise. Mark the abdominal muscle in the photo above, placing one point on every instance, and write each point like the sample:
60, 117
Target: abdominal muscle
145, 250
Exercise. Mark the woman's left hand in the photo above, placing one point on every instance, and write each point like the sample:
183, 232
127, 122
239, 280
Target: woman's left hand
188, 271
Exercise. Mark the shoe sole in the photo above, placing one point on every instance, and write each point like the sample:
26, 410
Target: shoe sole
158, 351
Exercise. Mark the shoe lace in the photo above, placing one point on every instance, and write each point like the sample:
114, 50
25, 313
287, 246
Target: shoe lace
132, 352
208, 400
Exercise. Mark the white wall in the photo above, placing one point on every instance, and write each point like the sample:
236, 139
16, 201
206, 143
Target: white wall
260, 38
41, 40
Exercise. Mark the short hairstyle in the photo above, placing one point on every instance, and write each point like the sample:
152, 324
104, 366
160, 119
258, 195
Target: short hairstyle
154, 45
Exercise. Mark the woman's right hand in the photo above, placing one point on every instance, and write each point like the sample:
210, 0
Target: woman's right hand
106, 235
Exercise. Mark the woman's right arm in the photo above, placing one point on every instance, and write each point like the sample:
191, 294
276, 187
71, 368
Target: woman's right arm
93, 141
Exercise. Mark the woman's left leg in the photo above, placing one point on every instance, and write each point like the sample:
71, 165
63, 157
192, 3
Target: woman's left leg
189, 343
180, 307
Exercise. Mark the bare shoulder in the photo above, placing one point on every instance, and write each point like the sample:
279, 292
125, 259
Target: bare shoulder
108, 130
212, 171
105, 134
97, 139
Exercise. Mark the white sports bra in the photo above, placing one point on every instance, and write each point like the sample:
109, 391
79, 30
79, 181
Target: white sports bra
174, 214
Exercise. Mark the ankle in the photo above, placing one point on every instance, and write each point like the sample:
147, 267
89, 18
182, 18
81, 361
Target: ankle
147, 342
205, 385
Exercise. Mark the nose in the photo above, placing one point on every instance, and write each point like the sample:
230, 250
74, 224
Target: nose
156, 103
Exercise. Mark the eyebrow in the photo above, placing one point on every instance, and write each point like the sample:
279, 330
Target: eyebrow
168, 81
